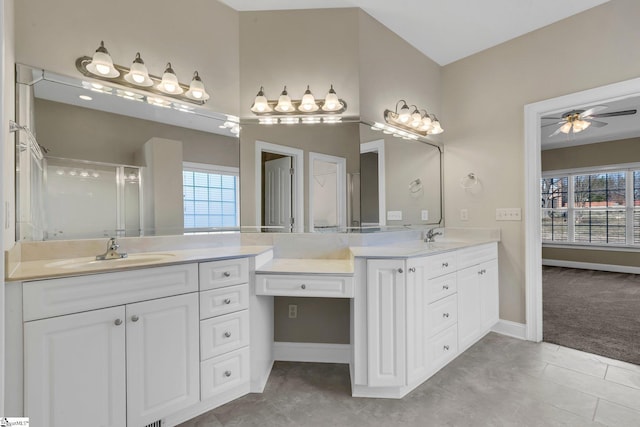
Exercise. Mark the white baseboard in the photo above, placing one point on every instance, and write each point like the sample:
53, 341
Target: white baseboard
591, 266
311, 352
511, 329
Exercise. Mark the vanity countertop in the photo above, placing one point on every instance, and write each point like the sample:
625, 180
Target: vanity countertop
416, 248
50, 268
340, 267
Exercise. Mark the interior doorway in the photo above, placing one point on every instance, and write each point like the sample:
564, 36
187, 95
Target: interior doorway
372, 184
327, 192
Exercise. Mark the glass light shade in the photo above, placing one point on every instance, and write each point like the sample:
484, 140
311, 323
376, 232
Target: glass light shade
331, 101
101, 64
284, 102
425, 124
261, 104
436, 128
566, 128
308, 102
169, 83
580, 125
138, 74
405, 115
196, 89
416, 119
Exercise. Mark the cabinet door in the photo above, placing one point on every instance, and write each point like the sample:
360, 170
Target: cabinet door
162, 357
490, 294
469, 311
386, 322
75, 370
416, 318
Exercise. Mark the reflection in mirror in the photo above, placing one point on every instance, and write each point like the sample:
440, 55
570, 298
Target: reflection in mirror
400, 180
84, 129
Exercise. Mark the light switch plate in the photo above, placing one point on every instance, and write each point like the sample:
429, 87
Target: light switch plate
424, 215
464, 215
509, 214
394, 215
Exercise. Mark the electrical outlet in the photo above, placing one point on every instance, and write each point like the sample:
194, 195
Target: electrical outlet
394, 215
464, 215
293, 311
509, 214
424, 215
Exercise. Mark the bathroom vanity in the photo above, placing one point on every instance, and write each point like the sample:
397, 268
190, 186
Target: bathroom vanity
163, 339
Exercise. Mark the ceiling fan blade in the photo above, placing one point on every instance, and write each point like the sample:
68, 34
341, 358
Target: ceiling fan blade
616, 113
591, 111
598, 124
556, 132
552, 124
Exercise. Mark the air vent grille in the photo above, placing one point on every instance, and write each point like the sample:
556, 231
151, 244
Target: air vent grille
155, 424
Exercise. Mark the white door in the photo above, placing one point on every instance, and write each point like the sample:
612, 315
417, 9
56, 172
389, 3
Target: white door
75, 370
277, 194
162, 357
385, 322
417, 322
469, 306
490, 294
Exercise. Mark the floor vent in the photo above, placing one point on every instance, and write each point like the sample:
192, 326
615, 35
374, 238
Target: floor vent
155, 424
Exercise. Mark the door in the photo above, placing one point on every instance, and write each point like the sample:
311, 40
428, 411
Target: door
416, 319
278, 175
469, 306
490, 294
162, 357
386, 322
75, 370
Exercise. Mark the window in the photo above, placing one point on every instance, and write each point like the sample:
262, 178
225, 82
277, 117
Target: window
595, 207
210, 196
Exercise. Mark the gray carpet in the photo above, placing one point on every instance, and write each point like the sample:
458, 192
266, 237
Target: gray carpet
593, 311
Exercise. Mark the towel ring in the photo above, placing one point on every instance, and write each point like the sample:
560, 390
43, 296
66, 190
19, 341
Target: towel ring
469, 181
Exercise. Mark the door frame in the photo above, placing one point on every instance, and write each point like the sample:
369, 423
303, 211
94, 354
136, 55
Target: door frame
378, 147
341, 186
297, 196
533, 171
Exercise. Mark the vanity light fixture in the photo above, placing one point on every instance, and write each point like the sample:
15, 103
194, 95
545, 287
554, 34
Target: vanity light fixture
409, 122
284, 102
261, 104
308, 102
101, 67
331, 101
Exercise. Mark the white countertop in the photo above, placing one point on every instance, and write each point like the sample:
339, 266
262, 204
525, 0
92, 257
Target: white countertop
48, 268
307, 266
415, 248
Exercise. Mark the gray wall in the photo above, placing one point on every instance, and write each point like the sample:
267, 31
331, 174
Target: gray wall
600, 154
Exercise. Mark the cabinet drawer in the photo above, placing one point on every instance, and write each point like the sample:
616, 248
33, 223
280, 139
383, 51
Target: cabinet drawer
438, 265
441, 315
441, 286
304, 286
443, 347
224, 373
224, 333
218, 274
477, 254
55, 297
224, 300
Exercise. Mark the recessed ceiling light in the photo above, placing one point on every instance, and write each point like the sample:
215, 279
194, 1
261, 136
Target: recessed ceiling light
85, 97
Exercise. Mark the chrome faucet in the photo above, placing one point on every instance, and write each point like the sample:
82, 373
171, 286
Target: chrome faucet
430, 235
112, 251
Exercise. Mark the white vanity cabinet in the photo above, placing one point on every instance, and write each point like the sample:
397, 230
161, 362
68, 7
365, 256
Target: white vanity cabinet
130, 364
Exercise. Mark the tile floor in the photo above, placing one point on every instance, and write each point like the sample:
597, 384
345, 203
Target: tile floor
500, 381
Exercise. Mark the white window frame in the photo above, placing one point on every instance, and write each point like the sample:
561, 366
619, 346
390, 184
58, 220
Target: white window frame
630, 208
216, 169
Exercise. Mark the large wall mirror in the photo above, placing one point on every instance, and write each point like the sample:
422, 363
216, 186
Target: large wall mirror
113, 165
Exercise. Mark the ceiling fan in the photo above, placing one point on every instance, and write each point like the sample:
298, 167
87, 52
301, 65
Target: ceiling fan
578, 120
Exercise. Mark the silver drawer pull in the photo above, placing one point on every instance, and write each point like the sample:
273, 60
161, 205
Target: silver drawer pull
445, 314
446, 348
135, 318
227, 301
400, 270
483, 271
227, 373
445, 264
303, 286
412, 270
227, 334
445, 287
226, 274
118, 322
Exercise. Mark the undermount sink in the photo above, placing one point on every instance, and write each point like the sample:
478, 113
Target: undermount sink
132, 259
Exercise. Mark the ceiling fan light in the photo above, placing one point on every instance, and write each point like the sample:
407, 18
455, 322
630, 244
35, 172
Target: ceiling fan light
101, 64
169, 83
566, 128
284, 102
196, 89
138, 73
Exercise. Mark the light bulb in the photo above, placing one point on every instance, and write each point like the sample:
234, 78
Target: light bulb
308, 102
284, 102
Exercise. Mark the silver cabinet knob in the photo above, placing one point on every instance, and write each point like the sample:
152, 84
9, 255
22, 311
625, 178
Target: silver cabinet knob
445, 264
445, 314
412, 270
303, 286
482, 271
445, 287
118, 322
227, 301
446, 348
135, 318
226, 274
227, 373
227, 334
400, 270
